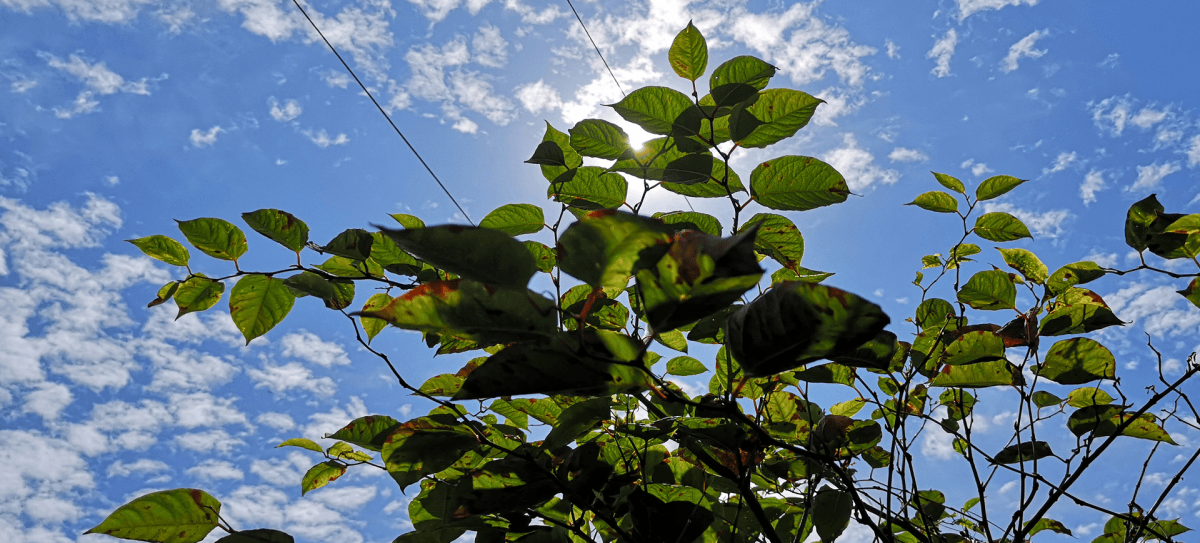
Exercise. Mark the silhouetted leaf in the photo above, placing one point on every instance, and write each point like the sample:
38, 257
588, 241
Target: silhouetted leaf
1138, 220
831, 513
1023, 452
259, 535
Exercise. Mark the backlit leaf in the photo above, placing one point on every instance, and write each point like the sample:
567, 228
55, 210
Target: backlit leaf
470, 310
973, 347
996, 186
162, 248
372, 327
653, 108
481, 254
183, 515
1043, 399
589, 187
1076, 361
782, 112
981, 375
543, 256
354, 244
1024, 261
408, 221
320, 475
515, 219
796, 323
797, 183
302, 443
689, 53
279, 226
1192, 292
165, 293
989, 290
932, 313
999, 226
743, 69
1077, 311
369, 432
779, 239
257, 303
950, 182
548, 153
425, 445
599, 138
1138, 220
197, 293
1104, 420
691, 220
936, 200
684, 366
831, 513
217, 238
602, 248
1088, 396
1073, 274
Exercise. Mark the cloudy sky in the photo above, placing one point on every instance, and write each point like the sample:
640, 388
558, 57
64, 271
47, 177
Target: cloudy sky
119, 116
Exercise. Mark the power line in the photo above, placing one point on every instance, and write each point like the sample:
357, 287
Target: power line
385, 114
589, 37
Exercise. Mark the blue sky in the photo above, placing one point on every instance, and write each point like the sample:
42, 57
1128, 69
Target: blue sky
119, 116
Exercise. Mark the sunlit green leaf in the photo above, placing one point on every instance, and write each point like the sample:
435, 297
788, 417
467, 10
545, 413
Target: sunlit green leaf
257, 303
689, 53
973, 347
932, 313
996, 186
354, 244
1042, 399
197, 293
599, 138
782, 112
372, 327
183, 515
424, 446
797, 183
163, 248
950, 182
515, 219
408, 221
1076, 361
999, 226
691, 220
1073, 274
217, 238
603, 248
543, 256
981, 375
1027, 263
653, 108
1077, 311
743, 69
779, 239
279, 226
989, 290
588, 187
684, 366
320, 475
1104, 420
369, 432
936, 200
165, 293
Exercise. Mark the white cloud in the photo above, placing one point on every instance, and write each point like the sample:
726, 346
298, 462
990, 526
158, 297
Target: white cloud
977, 168
280, 379
205, 138
334, 78
290, 110
96, 77
279, 472
858, 166
1062, 162
109, 11
22, 85
901, 154
435, 10
1047, 224
278, 421
309, 347
142, 466
811, 48
1149, 117
1093, 182
346, 498
537, 97
968, 7
203, 409
217, 440
321, 138
48, 400
1151, 175
893, 50
943, 51
215, 469
1157, 309
1023, 49
491, 49
83, 104
937, 444
438, 76
1111, 114
1193, 152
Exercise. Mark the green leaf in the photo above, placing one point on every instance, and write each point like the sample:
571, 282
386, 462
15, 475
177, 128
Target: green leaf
589, 187
937, 201
354, 244
1044, 524
343, 451
831, 513
311, 284
981, 375
743, 69
279, 226
217, 238
996, 186
257, 303
1076, 361
950, 182
481, 254
1078, 311
1073, 274
369, 432
934, 312
515, 219
711, 329
577, 420
571, 159
603, 247
783, 275
259, 535
371, 326
165, 293
673, 339
691, 220
698, 275
471, 310
1138, 220
183, 515
1027, 263
560, 367
689, 169
878, 354
1088, 396
543, 256
343, 295
408, 221
162, 248
797, 183
973, 347
796, 323
684, 366
782, 112
197, 293
446, 385
779, 239
302, 443
601, 139
989, 290
832, 373
689, 53
605, 311
1192, 292
424, 446
321, 475
847, 408
1103, 420
1023, 452
654, 109
548, 153
1000, 227
959, 403
731, 94
1043, 399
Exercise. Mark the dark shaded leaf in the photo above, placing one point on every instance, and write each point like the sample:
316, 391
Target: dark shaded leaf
354, 244
471, 310
424, 446
1023, 452
481, 254
369, 432
260, 535
603, 248
691, 220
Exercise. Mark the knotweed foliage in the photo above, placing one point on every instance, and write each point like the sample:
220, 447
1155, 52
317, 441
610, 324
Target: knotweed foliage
568, 428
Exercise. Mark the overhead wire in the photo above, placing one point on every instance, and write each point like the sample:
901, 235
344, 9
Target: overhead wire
594, 46
384, 112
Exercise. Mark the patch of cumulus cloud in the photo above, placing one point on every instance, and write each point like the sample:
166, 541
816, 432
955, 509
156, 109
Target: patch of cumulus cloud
1062, 162
205, 138
966, 8
286, 111
97, 80
1044, 224
901, 154
122, 397
437, 10
1024, 48
942, 52
858, 166
444, 74
1092, 183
